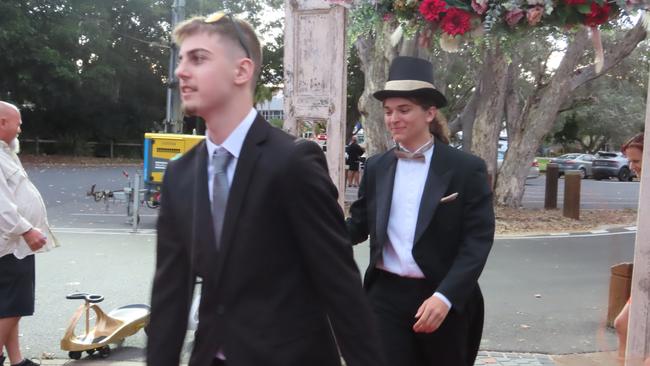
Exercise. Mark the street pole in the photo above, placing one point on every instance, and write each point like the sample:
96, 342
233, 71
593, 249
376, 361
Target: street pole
173, 118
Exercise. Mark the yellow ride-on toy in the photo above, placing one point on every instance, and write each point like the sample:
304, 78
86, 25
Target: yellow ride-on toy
109, 328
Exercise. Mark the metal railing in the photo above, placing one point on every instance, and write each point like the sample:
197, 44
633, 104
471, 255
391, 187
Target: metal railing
111, 144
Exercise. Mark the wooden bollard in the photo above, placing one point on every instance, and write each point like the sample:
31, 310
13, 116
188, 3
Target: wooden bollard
572, 180
552, 176
620, 285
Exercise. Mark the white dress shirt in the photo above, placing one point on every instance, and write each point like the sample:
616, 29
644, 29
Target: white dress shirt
397, 256
233, 145
21, 207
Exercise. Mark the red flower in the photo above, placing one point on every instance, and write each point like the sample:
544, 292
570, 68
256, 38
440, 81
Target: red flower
456, 22
575, 2
431, 9
514, 16
480, 7
599, 14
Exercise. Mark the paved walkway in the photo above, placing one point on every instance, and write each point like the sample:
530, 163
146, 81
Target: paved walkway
485, 358
512, 359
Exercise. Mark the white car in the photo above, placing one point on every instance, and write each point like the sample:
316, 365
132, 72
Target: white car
534, 166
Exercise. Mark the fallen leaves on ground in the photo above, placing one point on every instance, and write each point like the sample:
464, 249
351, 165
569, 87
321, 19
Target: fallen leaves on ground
514, 221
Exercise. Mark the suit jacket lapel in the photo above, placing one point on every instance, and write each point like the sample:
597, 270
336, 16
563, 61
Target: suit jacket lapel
435, 187
248, 156
384, 192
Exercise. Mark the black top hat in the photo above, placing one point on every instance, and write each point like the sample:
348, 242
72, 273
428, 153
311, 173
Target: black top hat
411, 77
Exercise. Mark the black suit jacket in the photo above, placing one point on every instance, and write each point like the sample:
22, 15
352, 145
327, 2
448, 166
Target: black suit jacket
452, 239
283, 274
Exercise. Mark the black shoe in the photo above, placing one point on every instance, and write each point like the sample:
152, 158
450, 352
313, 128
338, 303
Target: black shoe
26, 362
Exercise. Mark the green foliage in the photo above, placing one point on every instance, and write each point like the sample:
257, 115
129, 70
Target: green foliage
97, 69
363, 20
277, 123
356, 84
616, 107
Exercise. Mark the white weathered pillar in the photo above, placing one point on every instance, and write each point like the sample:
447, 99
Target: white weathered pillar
638, 342
315, 73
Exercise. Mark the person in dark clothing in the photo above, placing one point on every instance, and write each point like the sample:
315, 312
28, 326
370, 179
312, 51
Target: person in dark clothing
354, 151
427, 209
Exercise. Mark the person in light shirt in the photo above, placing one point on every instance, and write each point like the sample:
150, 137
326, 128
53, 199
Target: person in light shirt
428, 210
633, 150
23, 231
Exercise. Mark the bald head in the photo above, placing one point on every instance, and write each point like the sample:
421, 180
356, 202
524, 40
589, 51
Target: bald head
7, 108
9, 122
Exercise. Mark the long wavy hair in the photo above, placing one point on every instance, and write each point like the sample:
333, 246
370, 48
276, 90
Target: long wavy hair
438, 127
636, 141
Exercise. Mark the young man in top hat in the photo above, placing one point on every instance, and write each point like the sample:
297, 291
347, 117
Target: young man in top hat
254, 213
427, 208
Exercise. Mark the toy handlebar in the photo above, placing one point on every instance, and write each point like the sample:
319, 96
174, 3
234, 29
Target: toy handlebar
85, 296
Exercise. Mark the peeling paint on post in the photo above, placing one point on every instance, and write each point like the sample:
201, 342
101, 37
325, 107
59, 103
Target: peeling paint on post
316, 76
639, 325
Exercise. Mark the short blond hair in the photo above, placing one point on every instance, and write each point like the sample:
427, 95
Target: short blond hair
225, 29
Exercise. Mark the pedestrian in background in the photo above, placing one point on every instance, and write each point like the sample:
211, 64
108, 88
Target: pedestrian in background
633, 150
354, 151
23, 228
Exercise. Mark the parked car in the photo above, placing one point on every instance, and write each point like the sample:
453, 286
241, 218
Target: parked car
611, 164
581, 162
534, 166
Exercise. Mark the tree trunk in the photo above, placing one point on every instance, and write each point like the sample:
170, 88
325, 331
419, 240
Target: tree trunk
375, 54
464, 121
491, 94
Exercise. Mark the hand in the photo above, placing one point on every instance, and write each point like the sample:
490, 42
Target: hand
35, 239
430, 315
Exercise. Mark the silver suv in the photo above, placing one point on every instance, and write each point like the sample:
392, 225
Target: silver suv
611, 164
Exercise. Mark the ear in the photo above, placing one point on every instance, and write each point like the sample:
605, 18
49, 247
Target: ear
245, 71
431, 114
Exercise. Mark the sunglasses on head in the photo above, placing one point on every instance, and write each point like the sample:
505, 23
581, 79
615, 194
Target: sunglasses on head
215, 17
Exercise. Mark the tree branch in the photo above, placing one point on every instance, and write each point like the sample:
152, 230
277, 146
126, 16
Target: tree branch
577, 103
467, 115
613, 55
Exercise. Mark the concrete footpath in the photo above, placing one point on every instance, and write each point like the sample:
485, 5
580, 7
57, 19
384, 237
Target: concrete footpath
485, 358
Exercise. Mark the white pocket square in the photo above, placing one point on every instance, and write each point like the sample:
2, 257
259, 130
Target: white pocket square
449, 198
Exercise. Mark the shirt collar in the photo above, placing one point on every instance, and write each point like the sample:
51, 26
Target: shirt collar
423, 149
234, 142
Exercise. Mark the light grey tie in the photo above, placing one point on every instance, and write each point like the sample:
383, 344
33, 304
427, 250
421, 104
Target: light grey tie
220, 189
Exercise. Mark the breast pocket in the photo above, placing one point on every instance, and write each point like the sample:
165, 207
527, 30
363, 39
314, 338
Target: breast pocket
15, 177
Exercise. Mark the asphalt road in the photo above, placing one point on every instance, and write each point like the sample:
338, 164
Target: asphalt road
604, 194
64, 190
100, 254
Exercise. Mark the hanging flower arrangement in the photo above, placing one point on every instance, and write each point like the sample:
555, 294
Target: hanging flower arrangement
504, 14
454, 22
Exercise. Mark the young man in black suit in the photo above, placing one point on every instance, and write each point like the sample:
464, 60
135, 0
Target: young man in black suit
253, 212
427, 208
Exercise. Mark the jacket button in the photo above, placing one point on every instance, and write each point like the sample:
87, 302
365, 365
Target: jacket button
221, 309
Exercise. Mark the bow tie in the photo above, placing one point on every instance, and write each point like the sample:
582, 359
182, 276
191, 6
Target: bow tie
418, 155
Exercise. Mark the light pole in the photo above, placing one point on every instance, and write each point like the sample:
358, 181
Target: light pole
173, 118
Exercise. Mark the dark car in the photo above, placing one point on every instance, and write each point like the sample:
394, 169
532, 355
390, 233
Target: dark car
611, 164
581, 162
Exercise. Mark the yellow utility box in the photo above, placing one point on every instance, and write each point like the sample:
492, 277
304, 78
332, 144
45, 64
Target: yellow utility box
159, 149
